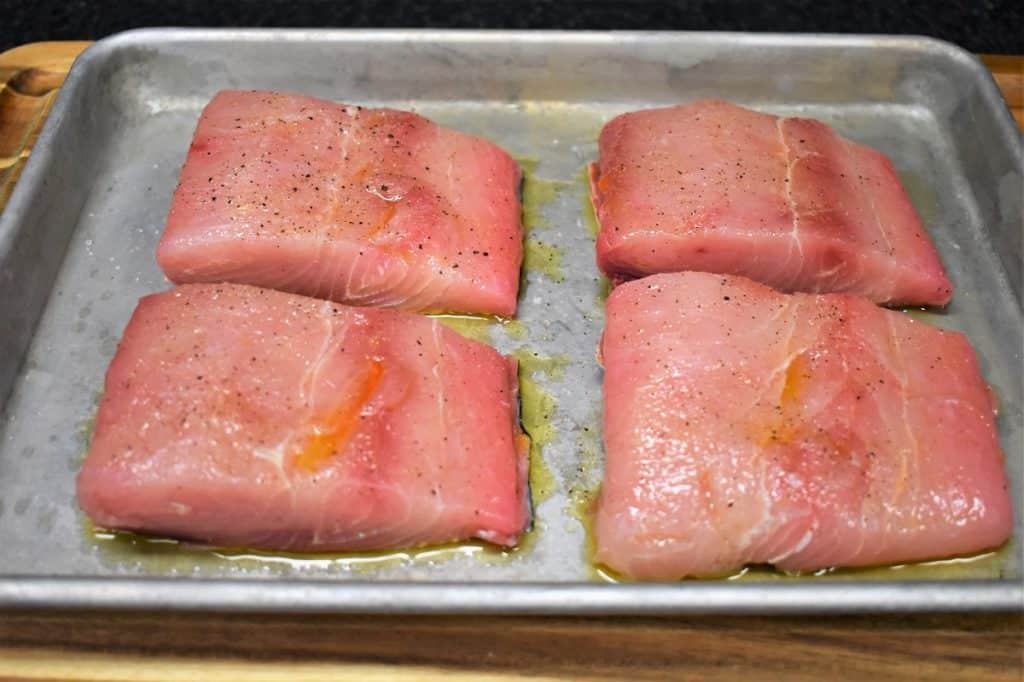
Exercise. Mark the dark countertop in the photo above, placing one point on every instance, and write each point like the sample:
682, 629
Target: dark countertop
995, 26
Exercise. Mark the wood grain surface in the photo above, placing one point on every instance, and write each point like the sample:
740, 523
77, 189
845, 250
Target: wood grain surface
1008, 71
87, 645
30, 76
57, 645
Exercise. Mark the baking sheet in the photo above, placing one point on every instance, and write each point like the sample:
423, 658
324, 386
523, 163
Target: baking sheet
78, 238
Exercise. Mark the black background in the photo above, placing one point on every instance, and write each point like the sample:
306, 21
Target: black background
979, 25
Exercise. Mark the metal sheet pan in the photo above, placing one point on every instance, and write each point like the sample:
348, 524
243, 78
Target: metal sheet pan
78, 236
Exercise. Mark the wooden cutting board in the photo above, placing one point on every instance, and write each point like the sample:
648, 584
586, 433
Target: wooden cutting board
68, 645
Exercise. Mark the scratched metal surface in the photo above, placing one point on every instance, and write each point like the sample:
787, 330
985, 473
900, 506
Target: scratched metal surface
78, 238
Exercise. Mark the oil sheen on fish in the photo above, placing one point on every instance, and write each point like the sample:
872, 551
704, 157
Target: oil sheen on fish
246, 417
746, 426
714, 187
362, 206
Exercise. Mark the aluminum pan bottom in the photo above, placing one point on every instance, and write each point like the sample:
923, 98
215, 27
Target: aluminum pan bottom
77, 241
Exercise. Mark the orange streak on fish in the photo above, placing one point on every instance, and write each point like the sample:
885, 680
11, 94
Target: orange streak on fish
383, 220
329, 439
360, 175
522, 444
786, 424
796, 374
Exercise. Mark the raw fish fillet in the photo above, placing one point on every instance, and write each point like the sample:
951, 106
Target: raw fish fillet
362, 206
745, 426
714, 187
246, 417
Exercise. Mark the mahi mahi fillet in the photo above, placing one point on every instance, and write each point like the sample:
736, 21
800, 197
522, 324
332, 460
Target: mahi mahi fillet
746, 426
714, 187
363, 206
239, 416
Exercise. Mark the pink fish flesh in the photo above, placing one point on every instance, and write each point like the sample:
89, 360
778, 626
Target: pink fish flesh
745, 426
362, 206
239, 416
714, 187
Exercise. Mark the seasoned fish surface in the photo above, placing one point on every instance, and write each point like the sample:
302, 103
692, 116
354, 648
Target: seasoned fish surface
746, 426
714, 187
239, 416
363, 206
